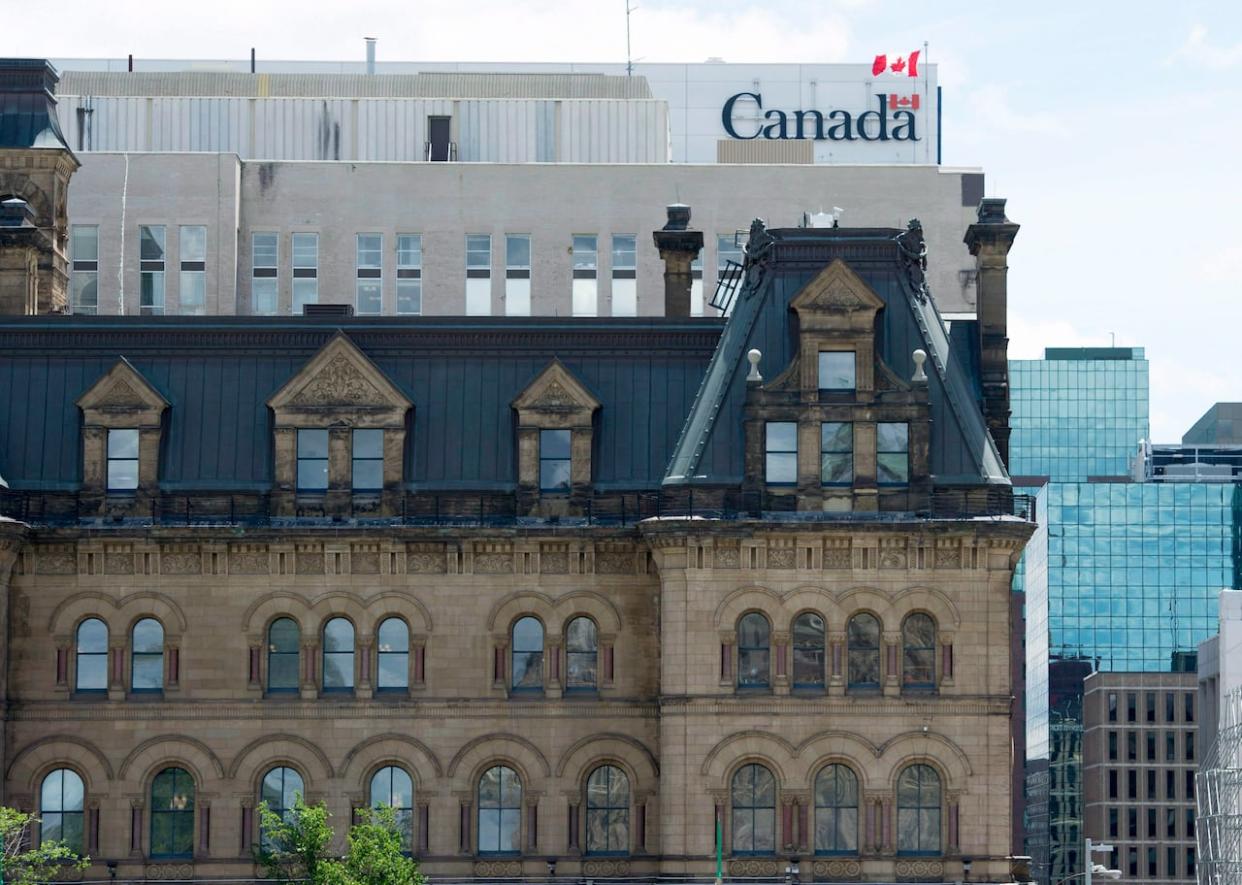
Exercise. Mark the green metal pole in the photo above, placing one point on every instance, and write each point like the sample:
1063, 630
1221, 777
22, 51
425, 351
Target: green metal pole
719, 853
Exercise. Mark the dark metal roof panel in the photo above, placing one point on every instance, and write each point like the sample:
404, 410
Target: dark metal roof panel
28, 120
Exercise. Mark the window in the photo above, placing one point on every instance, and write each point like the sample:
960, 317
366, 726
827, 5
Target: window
393, 670
1112, 706
1131, 707
1149, 708
517, 275
585, 264
500, 811
369, 286
808, 651
1114, 830
1131, 746
280, 789
338, 655
151, 268
123, 459
192, 286
283, 647
918, 811
61, 804
836, 370
727, 249
1190, 823
918, 643
781, 446
147, 656
1170, 823
393, 787
1151, 783
1131, 784
84, 284
264, 273
1151, 746
624, 275
172, 814
1170, 862
478, 275
608, 811
368, 461
1170, 747
836, 811
754, 810
1169, 788
1112, 746
863, 651
554, 461
1151, 862
581, 654
1132, 861
305, 271
892, 453
409, 274
1190, 746
836, 453
1169, 711
312, 460
92, 656
1190, 863
1190, 706
527, 655
696, 286
1151, 823
1132, 822
753, 651
1112, 784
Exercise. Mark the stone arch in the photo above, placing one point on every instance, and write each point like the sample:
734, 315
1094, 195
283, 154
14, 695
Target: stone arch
927, 599
253, 760
60, 751
193, 752
509, 608
278, 603
339, 604
721, 759
812, 599
392, 746
744, 599
868, 599
587, 602
417, 616
923, 746
81, 605
632, 753
835, 746
473, 754
18, 185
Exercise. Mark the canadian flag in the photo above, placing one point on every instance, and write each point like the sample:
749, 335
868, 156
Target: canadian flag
901, 64
903, 102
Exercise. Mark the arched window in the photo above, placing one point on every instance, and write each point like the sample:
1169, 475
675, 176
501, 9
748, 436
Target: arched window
753, 651
393, 673
527, 655
754, 810
147, 656
92, 656
864, 651
338, 655
172, 814
279, 788
500, 811
918, 643
918, 810
581, 654
836, 810
393, 787
283, 642
808, 651
608, 811
61, 803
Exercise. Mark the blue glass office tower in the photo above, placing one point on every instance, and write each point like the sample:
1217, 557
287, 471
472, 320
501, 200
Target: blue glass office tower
1121, 575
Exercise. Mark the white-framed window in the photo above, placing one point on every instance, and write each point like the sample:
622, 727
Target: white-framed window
151, 255
409, 274
122, 459
478, 275
192, 255
624, 275
84, 253
585, 270
517, 275
264, 273
305, 270
369, 292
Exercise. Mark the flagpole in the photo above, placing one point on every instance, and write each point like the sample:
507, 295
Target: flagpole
719, 851
927, 104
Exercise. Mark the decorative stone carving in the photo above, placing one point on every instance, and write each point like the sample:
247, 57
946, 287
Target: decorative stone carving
174, 871
493, 564
892, 559
555, 397
181, 564
364, 563
56, 563
309, 563
555, 563
614, 563
836, 870
497, 869
19, 614
838, 558
919, 871
948, 557
121, 395
782, 557
426, 560
754, 868
604, 868
249, 563
118, 563
727, 557
338, 383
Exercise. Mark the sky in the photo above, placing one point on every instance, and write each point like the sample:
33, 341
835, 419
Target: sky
1113, 129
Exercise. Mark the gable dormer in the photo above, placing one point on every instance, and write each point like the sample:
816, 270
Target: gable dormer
122, 415
340, 431
555, 432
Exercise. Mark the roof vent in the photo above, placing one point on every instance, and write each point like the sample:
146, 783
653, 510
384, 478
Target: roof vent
327, 310
15, 212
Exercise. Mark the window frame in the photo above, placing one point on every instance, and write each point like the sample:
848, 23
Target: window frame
769, 451
403, 813
610, 811
84, 272
367, 275
763, 651
851, 647
478, 275
919, 809
283, 810
296, 654
326, 654
518, 276
152, 281
754, 809
892, 452
178, 816
264, 272
499, 809
572, 687
927, 651
819, 684
110, 459
299, 459
821, 365
60, 814
305, 275
79, 655
355, 460
409, 273
825, 437
545, 434
136, 657
534, 656
193, 270
381, 653
834, 811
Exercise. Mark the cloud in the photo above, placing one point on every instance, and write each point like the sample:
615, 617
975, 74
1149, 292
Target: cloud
1029, 336
1198, 52
990, 109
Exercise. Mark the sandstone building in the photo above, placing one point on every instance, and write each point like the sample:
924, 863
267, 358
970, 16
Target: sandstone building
568, 594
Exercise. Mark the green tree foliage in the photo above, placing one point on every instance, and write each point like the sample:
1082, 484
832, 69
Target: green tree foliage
295, 849
22, 865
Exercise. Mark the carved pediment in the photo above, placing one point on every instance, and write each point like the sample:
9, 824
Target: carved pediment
122, 392
837, 297
339, 377
556, 391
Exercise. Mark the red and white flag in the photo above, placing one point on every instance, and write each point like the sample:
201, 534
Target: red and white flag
900, 64
903, 102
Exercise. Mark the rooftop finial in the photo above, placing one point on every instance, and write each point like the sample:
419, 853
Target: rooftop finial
919, 356
754, 355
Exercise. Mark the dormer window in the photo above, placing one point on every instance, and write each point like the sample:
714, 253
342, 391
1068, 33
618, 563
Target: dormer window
892, 453
312, 460
554, 461
782, 453
368, 461
837, 370
123, 459
836, 453
555, 427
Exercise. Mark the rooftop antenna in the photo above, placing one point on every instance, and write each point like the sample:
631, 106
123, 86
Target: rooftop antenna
629, 60
1113, 335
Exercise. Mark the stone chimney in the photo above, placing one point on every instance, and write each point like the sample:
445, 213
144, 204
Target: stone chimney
989, 240
679, 246
35, 166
